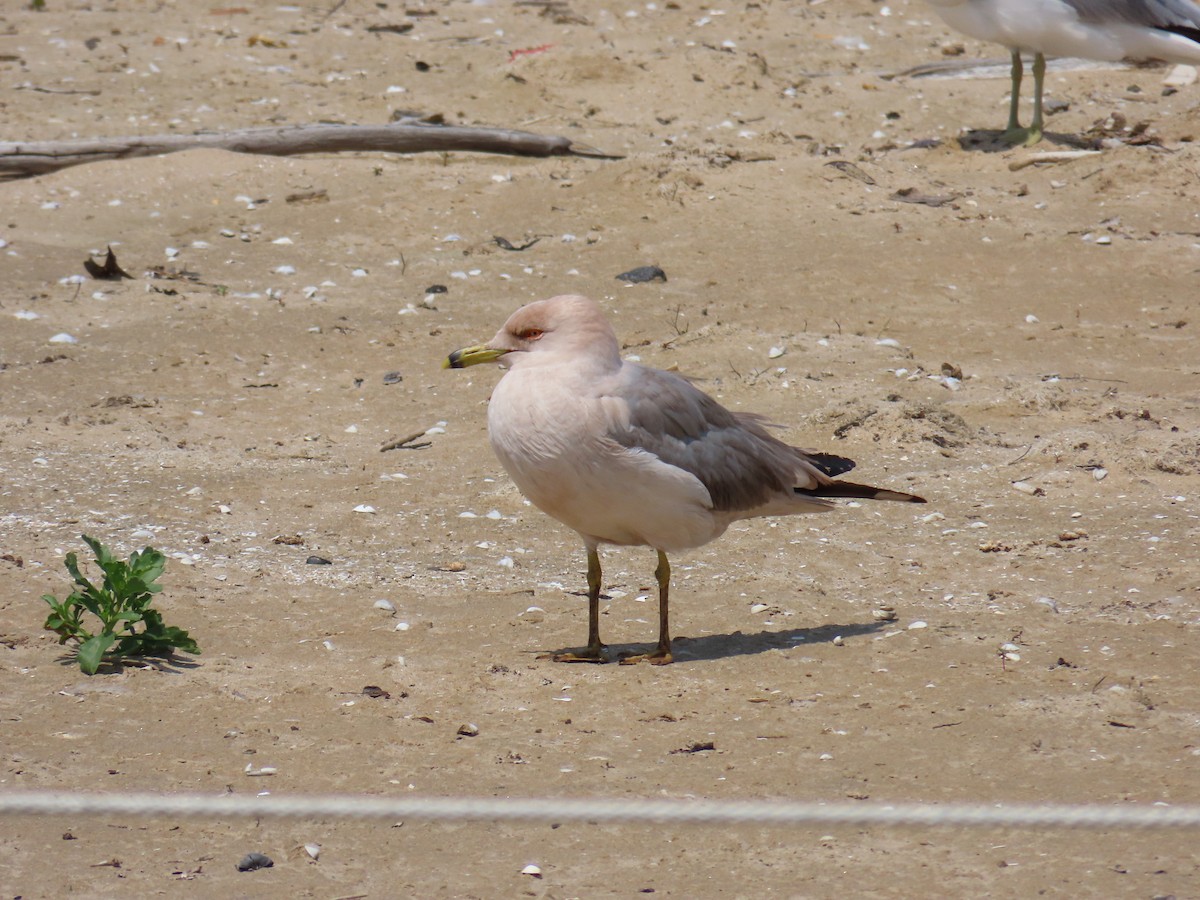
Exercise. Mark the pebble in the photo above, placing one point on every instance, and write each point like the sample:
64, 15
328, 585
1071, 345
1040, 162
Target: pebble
643, 274
252, 861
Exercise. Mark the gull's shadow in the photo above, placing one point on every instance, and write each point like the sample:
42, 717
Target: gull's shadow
724, 646
991, 140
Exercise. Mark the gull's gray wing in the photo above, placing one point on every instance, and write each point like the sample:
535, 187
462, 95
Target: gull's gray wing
731, 454
1177, 16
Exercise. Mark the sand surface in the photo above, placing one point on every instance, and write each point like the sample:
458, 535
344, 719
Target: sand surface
227, 405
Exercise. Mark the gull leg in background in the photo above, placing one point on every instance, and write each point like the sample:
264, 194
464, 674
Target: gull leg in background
661, 655
1014, 133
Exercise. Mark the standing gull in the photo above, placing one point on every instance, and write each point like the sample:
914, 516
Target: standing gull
635, 456
1133, 30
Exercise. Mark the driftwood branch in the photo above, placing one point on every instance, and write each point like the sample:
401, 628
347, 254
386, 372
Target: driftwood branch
39, 157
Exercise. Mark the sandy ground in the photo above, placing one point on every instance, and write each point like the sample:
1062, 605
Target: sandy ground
211, 414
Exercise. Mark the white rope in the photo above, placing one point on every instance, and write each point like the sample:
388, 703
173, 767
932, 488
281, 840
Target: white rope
699, 812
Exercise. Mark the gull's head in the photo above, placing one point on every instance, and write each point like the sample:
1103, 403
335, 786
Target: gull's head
569, 326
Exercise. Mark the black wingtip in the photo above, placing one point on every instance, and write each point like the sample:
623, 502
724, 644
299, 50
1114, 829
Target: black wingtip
850, 490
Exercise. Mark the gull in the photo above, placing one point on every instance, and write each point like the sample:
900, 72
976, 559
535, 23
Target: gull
1114, 30
633, 456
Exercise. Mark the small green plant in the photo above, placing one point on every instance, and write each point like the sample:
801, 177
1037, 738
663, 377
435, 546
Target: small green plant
120, 603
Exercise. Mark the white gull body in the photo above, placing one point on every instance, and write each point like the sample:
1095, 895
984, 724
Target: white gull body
629, 455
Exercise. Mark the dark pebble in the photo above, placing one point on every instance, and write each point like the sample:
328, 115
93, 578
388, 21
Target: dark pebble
642, 274
318, 561
393, 378
436, 289
252, 861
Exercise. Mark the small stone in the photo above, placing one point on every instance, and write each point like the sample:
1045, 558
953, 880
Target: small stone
643, 274
252, 861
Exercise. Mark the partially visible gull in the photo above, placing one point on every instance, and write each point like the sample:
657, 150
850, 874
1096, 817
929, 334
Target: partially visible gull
1133, 30
634, 456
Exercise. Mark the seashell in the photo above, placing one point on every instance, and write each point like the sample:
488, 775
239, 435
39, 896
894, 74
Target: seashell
468, 729
535, 871
884, 614
313, 850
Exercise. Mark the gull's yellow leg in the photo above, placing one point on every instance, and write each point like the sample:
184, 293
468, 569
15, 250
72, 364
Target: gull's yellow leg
660, 655
594, 651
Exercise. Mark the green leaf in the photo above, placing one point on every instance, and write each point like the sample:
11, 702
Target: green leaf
120, 603
91, 652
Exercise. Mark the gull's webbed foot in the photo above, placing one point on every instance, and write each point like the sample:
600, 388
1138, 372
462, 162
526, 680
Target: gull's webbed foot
590, 654
1026, 137
659, 656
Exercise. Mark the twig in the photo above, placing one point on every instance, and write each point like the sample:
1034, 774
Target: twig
406, 443
39, 157
1052, 156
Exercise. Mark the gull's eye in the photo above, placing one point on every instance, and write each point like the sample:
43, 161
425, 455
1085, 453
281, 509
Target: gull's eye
530, 334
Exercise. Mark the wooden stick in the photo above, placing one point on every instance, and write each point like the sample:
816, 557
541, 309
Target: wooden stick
39, 157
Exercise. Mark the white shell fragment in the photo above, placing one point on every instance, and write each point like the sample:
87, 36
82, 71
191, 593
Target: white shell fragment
884, 614
1180, 76
385, 605
364, 508
313, 850
535, 871
63, 338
